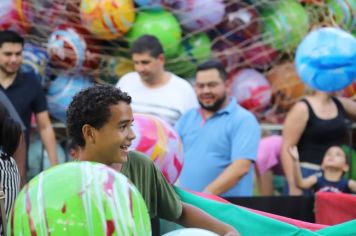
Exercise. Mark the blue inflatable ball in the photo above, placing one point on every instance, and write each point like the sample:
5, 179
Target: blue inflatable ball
35, 59
38, 157
61, 91
326, 59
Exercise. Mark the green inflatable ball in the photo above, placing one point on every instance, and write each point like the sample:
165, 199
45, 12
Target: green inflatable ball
285, 24
191, 52
79, 198
161, 24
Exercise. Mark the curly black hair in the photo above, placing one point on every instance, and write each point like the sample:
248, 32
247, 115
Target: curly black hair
91, 106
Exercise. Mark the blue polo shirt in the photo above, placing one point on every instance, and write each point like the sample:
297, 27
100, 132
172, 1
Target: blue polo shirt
211, 145
27, 96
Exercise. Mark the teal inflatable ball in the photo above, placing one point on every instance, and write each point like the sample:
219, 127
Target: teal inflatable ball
285, 24
191, 52
161, 24
326, 59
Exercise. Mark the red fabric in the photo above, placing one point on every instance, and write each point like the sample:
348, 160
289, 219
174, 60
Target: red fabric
298, 223
334, 208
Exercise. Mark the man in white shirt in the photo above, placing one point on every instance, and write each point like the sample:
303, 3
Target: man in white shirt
153, 89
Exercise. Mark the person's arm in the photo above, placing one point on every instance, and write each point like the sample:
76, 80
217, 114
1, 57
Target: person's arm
194, 217
20, 159
229, 177
293, 128
48, 137
352, 185
349, 106
306, 183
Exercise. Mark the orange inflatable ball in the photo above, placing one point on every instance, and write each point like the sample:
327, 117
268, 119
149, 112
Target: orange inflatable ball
107, 19
287, 88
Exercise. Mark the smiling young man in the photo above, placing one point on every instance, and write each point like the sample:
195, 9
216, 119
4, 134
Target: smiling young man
153, 89
220, 138
99, 120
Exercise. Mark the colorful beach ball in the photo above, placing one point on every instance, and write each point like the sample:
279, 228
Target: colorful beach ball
38, 157
14, 15
61, 91
241, 22
79, 198
158, 140
70, 50
326, 59
251, 89
343, 12
107, 19
191, 52
35, 59
287, 87
198, 14
161, 24
285, 24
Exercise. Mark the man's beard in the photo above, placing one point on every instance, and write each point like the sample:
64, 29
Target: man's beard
216, 106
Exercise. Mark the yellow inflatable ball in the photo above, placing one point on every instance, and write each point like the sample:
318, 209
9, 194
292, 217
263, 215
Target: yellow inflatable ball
107, 19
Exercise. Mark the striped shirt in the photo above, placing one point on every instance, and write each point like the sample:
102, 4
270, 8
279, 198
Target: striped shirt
9, 181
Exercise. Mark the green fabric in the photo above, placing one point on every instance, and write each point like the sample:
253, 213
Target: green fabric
160, 198
249, 223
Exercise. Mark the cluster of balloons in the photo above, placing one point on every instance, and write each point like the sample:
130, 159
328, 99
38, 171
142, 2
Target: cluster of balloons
91, 38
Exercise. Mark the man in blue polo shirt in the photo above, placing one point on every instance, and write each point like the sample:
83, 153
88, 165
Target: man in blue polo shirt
220, 138
24, 91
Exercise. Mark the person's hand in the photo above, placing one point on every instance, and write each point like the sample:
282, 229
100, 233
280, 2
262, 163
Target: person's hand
294, 191
232, 233
294, 153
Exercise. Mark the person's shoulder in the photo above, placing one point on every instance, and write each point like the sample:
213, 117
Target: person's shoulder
127, 77
28, 76
139, 158
179, 80
299, 107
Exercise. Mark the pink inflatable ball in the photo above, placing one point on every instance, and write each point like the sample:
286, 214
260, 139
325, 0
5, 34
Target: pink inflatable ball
259, 55
71, 50
14, 16
228, 54
48, 15
241, 22
158, 140
198, 14
251, 89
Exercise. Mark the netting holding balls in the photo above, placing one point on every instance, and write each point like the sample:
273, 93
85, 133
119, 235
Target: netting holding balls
91, 38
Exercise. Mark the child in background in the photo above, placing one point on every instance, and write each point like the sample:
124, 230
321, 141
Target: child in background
331, 178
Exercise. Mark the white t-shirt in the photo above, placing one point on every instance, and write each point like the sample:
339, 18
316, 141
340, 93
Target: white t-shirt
168, 102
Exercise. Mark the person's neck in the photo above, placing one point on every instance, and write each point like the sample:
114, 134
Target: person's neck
207, 113
6, 79
322, 97
332, 174
161, 79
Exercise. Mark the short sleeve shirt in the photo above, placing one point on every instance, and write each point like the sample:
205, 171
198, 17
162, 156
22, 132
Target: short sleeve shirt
159, 195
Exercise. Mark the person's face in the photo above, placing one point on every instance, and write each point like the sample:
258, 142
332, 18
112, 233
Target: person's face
114, 138
211, 89
148, 67
335, 157
10, 57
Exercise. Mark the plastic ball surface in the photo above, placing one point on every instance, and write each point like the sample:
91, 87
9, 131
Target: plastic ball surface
79, 198
159, 141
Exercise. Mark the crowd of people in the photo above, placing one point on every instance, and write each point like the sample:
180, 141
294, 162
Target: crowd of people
223, 145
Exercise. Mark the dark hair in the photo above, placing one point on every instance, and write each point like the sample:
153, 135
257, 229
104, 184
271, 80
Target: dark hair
10, 133
91, 106
147, 44
213, 64
8, 36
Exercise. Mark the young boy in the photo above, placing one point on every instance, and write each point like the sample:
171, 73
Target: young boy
99, 120
333, 167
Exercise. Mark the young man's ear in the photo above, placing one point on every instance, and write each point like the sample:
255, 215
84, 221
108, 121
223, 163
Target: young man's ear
346, 168
88, 132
